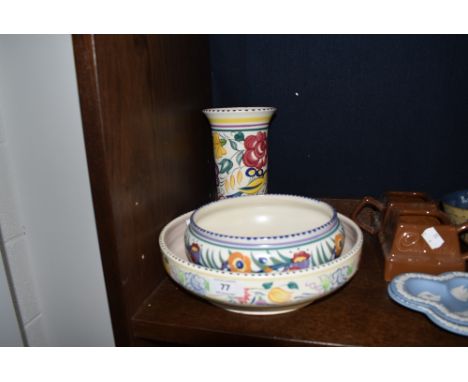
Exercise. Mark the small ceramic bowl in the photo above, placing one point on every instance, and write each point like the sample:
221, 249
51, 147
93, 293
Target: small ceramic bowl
264, 233
456, 207
259, 293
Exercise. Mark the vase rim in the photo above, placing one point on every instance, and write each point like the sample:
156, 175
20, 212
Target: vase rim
330, 223
239, 109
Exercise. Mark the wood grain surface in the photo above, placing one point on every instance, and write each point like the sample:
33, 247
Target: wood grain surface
149, 151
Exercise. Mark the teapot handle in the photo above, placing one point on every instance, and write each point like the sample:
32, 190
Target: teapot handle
367, 201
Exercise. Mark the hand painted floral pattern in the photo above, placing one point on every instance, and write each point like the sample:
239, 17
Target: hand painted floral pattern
300, 260
242, 293
245, 298
255, 260
267, 293
241, 162
335, 280
195, 253
219, 150
196, 283
339, 277
339, 242
256, 150
279, 295
239, 263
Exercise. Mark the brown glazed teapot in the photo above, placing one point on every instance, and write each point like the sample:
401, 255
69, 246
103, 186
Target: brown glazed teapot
407, 249
399, 223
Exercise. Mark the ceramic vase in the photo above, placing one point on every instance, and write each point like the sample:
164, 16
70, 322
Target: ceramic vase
240, 149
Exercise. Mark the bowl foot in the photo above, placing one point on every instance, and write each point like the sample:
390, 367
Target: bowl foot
262, 311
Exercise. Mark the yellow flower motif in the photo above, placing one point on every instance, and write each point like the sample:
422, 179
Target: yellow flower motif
254, 186
239, 177
279, 295
233, 181
219, 150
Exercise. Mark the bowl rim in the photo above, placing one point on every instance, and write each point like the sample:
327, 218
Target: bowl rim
261, 275
239, 109
314, 231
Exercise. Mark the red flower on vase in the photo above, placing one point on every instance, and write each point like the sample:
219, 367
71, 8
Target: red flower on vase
256, 154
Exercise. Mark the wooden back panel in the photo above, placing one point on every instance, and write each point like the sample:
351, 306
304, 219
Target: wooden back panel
149, 152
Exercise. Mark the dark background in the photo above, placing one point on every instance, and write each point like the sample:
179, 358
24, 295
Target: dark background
356, 114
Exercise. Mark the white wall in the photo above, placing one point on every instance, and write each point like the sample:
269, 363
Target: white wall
10, 334
58, 250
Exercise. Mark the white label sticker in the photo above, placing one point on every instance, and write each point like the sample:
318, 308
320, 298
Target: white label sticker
227, 287
432, 237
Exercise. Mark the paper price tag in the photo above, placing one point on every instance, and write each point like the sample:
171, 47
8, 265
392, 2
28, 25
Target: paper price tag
227, 287
432, 238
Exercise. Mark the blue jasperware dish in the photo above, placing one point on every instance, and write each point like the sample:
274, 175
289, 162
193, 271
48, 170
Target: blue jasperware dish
443, 298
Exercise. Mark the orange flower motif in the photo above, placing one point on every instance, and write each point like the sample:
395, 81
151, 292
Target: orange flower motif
338, 244
239, 262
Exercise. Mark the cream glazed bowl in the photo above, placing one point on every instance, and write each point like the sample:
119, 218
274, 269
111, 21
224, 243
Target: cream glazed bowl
259, 293
264, 233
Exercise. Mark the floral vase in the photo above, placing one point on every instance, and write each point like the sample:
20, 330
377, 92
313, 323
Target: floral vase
240, 149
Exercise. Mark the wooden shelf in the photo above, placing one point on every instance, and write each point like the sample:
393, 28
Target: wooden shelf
149, 153
361, 313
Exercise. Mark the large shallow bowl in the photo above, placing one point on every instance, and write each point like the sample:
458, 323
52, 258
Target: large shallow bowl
259, 293
264, 233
